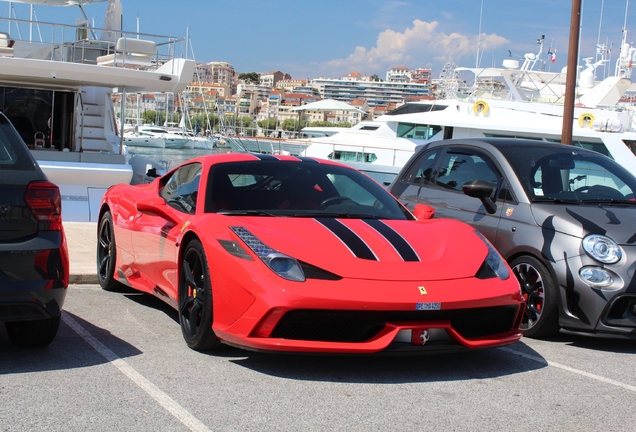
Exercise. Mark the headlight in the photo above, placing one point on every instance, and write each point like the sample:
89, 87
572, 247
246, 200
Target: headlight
494, 265
596, 277
281, 264
602, 248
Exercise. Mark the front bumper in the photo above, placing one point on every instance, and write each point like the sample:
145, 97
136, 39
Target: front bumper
598, 311
363, 316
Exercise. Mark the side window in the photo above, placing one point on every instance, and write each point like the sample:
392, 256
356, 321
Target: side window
182, 188
457, 169
422, 171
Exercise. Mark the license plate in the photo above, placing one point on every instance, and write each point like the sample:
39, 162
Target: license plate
428, 306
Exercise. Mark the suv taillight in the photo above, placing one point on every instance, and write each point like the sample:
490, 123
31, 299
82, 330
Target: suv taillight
45, 202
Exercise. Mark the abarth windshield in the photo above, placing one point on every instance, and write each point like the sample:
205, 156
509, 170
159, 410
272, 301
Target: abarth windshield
575, 176
299, 189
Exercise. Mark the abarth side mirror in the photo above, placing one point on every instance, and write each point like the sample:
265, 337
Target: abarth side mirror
481, 190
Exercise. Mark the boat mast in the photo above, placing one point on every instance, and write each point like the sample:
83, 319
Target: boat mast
481, 10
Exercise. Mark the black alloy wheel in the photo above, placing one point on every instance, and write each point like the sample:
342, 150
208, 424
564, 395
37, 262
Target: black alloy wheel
106, 254
195, 299
541, 318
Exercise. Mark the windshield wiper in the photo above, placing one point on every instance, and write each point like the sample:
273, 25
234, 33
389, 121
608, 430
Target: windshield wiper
555, 200
350, 216
610, 201
246, 213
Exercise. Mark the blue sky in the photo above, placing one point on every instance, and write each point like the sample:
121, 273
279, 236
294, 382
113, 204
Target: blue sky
329, 38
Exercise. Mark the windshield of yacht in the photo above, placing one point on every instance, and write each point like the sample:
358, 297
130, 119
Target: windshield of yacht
561, 175
299, 189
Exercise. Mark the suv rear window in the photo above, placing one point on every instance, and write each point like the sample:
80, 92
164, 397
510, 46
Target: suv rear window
14, 154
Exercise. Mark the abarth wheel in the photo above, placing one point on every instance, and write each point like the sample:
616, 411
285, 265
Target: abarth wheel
541, 318
195, 299
106, 254
33, 334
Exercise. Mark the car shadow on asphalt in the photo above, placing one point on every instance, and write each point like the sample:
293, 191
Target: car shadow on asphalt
605, 344
375, 369
151, 301
69, 350
476, 364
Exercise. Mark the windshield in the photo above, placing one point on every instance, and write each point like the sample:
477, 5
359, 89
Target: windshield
563, 175
299, 189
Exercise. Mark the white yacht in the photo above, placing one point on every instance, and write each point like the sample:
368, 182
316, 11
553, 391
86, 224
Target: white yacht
171, 139
136, 138
57, 93
511, 101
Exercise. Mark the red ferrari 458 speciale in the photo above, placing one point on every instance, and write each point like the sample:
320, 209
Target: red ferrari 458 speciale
283, 253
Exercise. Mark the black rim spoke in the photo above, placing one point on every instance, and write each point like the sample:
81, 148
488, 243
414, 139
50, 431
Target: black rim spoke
532, 288
192, 292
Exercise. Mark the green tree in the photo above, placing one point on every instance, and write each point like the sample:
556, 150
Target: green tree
250, 77
270, 123
375, 78
292, 125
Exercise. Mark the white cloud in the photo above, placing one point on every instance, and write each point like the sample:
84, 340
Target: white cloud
419, 46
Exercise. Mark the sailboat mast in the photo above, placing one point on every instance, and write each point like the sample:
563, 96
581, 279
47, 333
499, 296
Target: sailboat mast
481, 10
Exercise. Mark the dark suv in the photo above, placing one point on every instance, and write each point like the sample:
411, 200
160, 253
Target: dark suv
34, 263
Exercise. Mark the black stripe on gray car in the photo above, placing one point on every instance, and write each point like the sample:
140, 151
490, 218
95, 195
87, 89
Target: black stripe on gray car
350, 239
401, 246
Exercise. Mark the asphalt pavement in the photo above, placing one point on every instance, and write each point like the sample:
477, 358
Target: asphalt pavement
119, 362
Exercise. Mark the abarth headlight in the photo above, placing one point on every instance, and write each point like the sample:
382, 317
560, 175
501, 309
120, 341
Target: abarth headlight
281, 264
596, 277
602, 248
493, 265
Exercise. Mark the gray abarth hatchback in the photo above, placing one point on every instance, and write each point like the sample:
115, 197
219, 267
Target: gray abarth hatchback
34, 265
564, 218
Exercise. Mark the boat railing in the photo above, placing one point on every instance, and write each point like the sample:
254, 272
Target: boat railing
83, 44
335, 151
360, 153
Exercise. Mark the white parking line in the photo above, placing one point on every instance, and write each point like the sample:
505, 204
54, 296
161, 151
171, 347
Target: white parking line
569, 369
183, 415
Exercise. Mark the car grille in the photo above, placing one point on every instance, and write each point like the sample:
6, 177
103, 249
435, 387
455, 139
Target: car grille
619, 314
572, 300
360, 326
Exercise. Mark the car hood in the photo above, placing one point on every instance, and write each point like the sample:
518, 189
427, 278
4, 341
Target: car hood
376, 250
616, 222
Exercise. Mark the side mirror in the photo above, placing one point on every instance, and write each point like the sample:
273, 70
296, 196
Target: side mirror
481, 190
156, 206
423, 212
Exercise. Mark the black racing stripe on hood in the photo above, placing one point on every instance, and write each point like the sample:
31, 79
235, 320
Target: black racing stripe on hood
307, 159
264, 156
355, 244
397, 241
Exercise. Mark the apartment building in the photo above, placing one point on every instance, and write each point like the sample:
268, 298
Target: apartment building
375, 92
271, 78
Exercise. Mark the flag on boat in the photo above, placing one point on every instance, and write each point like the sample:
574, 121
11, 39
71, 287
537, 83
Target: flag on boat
552, 55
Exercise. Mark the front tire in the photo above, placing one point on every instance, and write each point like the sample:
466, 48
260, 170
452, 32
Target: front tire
195, 299
33, 334
107, 254
541, 318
